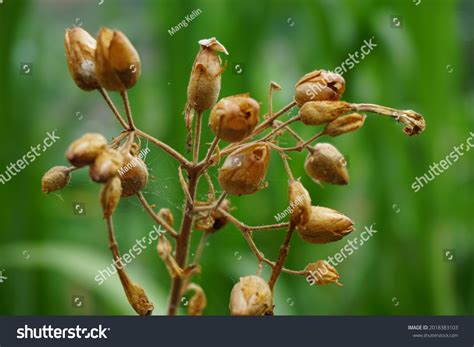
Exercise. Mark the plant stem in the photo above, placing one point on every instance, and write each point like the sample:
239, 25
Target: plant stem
279, 127
301, 146
135, 295
383, 110
155, 217
282, 257
128, 110
109, 102
207, 160
182, 242
170, 150
197, 137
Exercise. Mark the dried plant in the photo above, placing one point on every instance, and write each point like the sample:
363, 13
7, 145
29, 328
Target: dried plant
113, 64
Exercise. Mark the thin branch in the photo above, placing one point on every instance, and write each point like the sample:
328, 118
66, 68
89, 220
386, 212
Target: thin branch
197, 137
116, 141
155, 217
212, 192
182, 243
135, 294
291, 131
281, 126
200, 248
267, 122
306, 144
170, 150
128, 110
109, 102
210, 151
282, 257
287, 166
184, 185
273, 86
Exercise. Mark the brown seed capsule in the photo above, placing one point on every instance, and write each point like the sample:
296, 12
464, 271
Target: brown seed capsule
55, 178
133, 174
251, 296
118, 65
345, 124
325, 163
233, 118
300, 202
135, 294
414, 123
84, 150
166, 215
325, 225
321, 272
106, 165
205, 80
198, 302
319, 85
110, 196
215, 221
80, 55
220, 220
244, 169
165, 252
319, 112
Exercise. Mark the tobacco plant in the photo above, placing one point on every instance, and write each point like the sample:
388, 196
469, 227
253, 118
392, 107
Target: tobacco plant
240, 149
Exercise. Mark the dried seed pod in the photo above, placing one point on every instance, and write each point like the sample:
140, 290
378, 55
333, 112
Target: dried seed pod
133, 174
118, 65
319, 85
166, 215
80, 55
300, 202
135, 294
139, 300
106, 165
55, 178
215, 221
198, 302
220, 219
234, 117
244, 169
321, 272
325, 163
110, 196
345, 124
319, 112
325, 225
205, 80
414, 123
165, 250
251, 296
84, 150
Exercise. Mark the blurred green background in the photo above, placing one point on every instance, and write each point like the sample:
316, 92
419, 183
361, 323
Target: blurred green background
49, 254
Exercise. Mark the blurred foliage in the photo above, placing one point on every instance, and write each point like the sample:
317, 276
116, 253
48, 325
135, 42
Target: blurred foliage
50, 254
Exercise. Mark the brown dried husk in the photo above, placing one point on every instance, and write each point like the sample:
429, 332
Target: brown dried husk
325, 163
244, 170
325, 225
